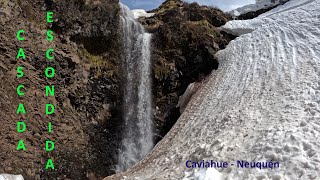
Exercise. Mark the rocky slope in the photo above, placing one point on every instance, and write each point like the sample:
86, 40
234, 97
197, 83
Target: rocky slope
86, 85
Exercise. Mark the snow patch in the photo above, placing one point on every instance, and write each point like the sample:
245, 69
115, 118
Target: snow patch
241, 27
208, 174
10, 177
137, 13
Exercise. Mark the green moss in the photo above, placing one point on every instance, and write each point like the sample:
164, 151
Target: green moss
202, 23
4, 3
204, 26
163, 70
19, 2
101, 65
169, 4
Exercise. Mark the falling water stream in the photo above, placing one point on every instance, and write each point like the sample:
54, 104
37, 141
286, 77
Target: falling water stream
137, 139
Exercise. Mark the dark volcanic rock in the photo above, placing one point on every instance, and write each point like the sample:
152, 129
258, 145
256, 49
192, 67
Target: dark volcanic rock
91, 23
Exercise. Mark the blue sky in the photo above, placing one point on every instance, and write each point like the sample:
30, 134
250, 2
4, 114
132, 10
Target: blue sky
225, 5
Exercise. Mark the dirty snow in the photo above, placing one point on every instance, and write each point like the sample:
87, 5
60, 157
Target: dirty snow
262, 104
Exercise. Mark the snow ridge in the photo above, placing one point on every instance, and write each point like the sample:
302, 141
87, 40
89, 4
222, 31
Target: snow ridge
260, 4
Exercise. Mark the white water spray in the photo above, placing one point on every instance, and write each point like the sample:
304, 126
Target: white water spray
138, 130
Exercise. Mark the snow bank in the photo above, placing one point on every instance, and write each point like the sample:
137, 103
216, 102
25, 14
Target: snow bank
141, 13
241, 27
10, 177
262, 104
260, 4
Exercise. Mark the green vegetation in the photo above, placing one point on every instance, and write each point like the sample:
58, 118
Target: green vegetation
101, 65
163, 71
169, 5
4, 3
204, 26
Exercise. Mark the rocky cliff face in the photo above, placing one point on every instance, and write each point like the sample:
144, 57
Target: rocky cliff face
185, 39
86, 62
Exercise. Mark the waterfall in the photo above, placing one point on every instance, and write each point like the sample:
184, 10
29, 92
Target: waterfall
137, 138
